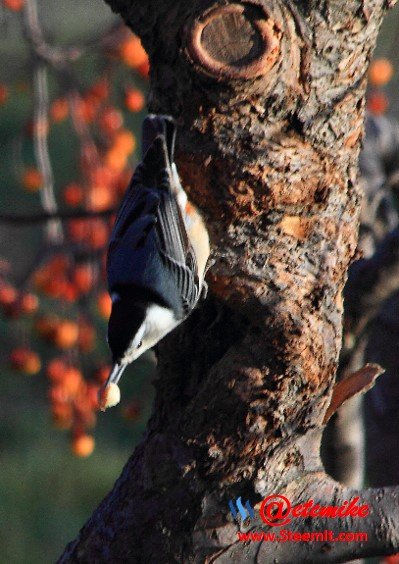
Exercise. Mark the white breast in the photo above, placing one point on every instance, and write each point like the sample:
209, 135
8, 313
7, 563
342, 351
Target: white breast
159, 321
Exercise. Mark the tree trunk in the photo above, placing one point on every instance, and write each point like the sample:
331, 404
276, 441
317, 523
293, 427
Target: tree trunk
269, 96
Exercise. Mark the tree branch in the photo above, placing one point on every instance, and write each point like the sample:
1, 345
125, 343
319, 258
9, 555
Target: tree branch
61, 215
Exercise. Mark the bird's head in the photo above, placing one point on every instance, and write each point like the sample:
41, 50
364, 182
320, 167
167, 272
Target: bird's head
134, 327
126, 333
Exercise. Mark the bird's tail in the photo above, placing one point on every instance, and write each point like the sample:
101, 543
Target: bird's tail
159, 125
165, 127
159, 135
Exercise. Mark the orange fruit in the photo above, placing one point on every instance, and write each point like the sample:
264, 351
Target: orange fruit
66, 334
124, 142
54, 287
14, 5
380, 72
77, 229
377, 103
58, 264
73, 194
32, 179
33, 364
134, 100
59, 110
72, 381
85, 110
29, 303
132, 52
8, 295
55, 369
83, 445
99, 90
110, 120
62, 415
70, 293
97, 235
57, 394
25, 360
144, 69
83, 277
101, 175
100, 198
116, 160
104, 304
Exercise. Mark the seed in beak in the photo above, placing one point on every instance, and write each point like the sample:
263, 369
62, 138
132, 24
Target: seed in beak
110, 396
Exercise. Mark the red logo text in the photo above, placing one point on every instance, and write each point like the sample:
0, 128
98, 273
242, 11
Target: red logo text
276, 510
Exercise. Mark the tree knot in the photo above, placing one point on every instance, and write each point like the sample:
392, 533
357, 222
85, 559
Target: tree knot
236, 41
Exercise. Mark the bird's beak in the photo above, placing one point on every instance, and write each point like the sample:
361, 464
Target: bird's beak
116, 374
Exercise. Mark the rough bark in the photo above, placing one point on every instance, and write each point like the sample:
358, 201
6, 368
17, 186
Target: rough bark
269, 96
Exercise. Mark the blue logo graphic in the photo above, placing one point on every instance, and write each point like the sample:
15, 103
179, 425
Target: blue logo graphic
245, 512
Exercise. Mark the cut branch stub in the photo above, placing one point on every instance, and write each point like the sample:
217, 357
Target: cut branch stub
237, 41
359, 382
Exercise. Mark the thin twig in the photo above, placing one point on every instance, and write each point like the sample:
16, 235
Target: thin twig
59, 215
41, 123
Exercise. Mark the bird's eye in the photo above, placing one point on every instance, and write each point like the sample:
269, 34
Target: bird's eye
140, 344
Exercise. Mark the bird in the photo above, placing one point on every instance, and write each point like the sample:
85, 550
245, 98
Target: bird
158, 252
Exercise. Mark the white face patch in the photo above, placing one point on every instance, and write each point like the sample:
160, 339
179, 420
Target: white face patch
159, 321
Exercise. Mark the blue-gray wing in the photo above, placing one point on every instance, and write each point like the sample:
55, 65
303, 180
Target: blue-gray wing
149, 248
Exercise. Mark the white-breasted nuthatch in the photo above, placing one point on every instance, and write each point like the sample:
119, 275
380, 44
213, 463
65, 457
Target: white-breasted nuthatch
157, 254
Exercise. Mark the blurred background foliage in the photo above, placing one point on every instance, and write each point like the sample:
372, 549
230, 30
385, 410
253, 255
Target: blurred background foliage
46, 492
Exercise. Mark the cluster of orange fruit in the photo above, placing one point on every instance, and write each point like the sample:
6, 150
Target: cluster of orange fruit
380, 73
74, 402
14, 304
25, 360
105, 173
133, 54
105, 168
60, 278
66, 334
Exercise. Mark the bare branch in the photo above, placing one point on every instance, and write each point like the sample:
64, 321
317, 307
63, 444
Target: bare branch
60, 215
41, 122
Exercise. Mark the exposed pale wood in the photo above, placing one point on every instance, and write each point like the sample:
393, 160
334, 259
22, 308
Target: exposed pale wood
357, 383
